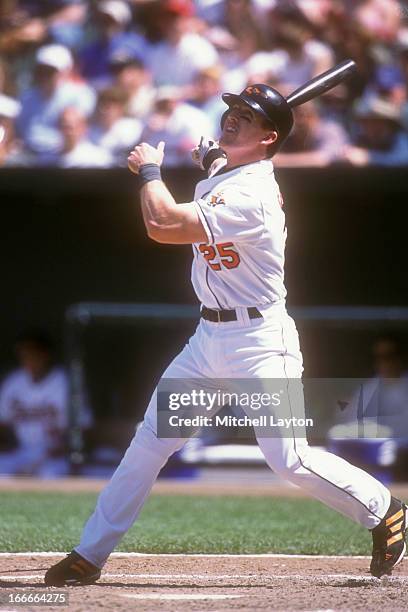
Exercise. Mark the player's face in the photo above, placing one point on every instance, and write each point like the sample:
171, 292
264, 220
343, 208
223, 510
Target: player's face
244, 129
34, 360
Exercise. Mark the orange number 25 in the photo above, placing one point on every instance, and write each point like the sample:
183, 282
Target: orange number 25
228, 257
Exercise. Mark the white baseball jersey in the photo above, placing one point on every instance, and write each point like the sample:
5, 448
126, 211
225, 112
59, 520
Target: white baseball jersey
38, 410
242, 262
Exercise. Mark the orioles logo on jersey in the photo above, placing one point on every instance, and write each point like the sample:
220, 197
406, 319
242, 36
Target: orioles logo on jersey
216, 199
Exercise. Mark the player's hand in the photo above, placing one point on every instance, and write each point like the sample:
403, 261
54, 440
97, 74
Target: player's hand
206, 152
145, 154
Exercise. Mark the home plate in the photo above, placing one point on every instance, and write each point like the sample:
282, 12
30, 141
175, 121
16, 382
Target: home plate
178, 597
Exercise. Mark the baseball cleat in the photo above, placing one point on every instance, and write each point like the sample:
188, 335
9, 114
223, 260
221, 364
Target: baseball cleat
74, 570
389, 540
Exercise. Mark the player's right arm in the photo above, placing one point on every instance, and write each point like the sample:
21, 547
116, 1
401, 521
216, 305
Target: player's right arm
166, 222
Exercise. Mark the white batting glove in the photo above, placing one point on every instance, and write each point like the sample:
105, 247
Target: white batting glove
206, 153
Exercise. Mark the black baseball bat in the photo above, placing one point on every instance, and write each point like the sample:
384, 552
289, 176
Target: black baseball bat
322, 83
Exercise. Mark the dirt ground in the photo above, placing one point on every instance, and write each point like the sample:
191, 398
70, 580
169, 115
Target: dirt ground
247, 483
197, 583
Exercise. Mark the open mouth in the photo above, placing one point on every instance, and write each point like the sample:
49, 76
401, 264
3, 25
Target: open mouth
231, 125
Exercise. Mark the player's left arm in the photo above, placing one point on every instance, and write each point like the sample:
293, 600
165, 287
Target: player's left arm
166, 221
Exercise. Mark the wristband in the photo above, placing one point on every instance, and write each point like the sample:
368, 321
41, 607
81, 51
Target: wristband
147, 173
211, 156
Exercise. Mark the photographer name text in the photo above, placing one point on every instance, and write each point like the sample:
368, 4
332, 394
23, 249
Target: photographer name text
233, 421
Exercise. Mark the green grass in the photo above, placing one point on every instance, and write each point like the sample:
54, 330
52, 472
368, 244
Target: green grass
53, 521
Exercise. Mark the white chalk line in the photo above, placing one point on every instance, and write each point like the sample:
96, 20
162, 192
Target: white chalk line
215, 577
178, 596
126, 555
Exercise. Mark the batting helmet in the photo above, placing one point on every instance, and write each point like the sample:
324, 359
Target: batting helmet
267, 102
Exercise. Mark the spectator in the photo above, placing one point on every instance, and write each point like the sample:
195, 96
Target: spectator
36, 21
205, 95
34, 402
373, 426
241, 23
6, 86
111, 130
66, 22
297, 53
131, 75
180, 125
379, 19
112, 18
384, 396
11, 153
388, 83
52, 92
335, 105
241, 39
403, 63
379, 139
313, 141
140, 45
177, 58
76, 150
19, 28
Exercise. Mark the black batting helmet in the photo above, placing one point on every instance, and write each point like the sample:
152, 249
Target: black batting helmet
267, 102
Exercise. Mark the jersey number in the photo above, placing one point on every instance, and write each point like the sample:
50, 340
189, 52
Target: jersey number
229, 258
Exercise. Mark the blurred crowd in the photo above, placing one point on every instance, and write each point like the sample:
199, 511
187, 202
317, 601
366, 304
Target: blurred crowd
83, 81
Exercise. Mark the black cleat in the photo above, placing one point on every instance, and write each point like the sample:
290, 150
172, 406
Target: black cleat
389, 540
74, 570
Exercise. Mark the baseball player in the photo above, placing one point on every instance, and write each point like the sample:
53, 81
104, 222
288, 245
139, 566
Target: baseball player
34, 402
236, 226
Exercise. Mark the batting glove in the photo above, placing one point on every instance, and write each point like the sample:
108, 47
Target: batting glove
206, 153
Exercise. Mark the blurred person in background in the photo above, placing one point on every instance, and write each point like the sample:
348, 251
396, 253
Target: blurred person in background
20, 26
369, 39
110, 129
76, 151
335, 105
259, 69
112, 19
373, 426
181, 53
26, 24
298, 53
379, 19
11, 150
36, 21
388, 401
205, 95
65, 21
387, 83
379, 138
313, 141
389, 366
6, 84
403, 63
130, 74
179, 124
34, 403
292, 56
238, 38
52, 92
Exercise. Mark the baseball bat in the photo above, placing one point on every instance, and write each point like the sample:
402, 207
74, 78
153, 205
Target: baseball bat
322, 83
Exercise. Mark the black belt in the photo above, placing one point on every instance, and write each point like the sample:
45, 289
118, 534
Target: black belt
225, 316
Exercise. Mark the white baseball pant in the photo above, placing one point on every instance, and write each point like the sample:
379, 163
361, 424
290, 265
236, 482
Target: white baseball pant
257, 348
